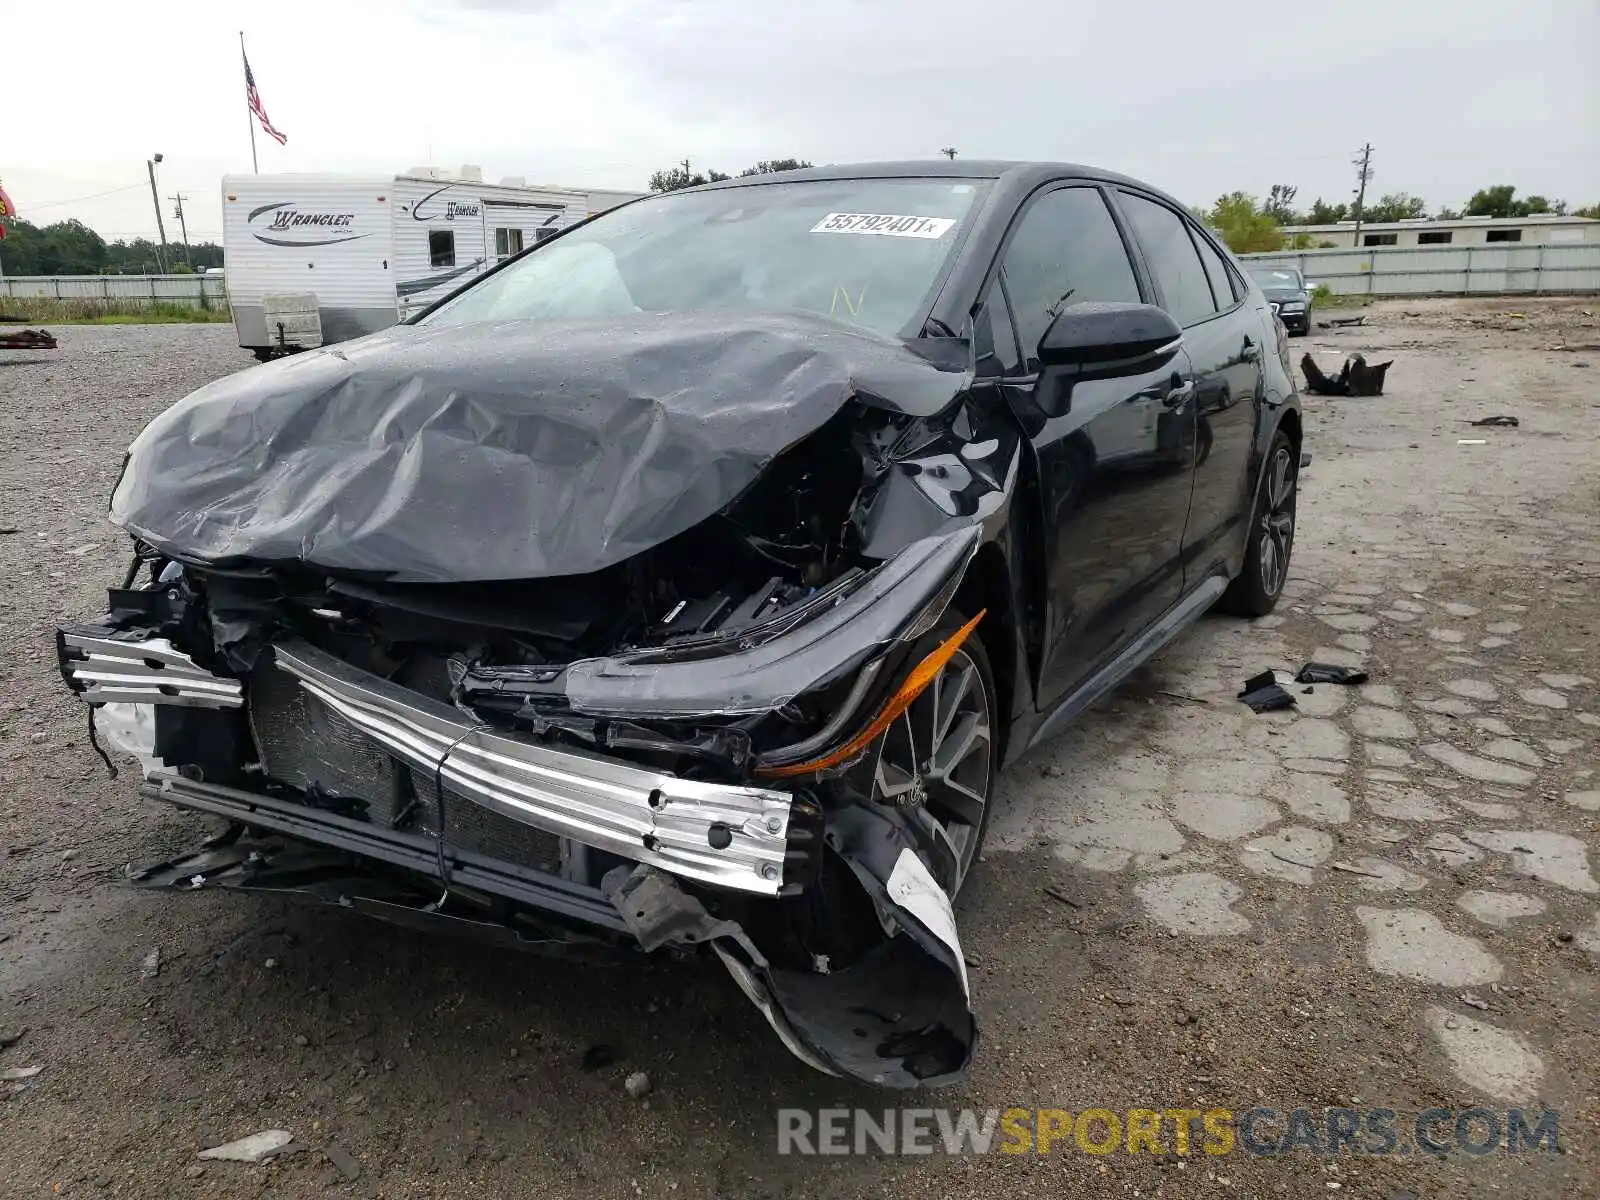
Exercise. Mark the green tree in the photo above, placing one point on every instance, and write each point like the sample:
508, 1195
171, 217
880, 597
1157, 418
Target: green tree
137, 257
1447, 214
1396, 206
71, 248
768, 166
1501, 201
679, 176
1497, 201
1323, 213
1592, 211
676, 177
1280, 204
1240, 222
19, 252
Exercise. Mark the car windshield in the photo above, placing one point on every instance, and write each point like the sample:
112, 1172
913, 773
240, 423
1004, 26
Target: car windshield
1276, 278
863, 251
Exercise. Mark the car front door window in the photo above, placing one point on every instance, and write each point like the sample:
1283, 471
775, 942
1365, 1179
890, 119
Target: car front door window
1066, 251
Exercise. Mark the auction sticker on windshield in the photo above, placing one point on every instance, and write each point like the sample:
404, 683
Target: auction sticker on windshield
884, 224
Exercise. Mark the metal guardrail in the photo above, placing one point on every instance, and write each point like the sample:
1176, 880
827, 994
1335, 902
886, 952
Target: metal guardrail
1499, 269
197, 291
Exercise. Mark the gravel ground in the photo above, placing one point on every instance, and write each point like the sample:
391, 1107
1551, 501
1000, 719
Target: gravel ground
1384, 898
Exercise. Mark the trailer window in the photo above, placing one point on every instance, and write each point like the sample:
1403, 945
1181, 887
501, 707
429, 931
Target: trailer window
507, 242
441, 247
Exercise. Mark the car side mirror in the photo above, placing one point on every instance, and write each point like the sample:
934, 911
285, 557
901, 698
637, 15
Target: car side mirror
1107, 341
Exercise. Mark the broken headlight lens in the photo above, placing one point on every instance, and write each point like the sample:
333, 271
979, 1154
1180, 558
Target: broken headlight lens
919, 678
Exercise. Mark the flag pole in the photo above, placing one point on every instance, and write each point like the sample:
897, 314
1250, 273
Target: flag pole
249, 117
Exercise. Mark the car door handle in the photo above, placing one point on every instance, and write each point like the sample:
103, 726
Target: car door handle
1179, 396
1173, 393
1251, 351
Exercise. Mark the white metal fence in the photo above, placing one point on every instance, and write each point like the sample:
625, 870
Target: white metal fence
1446, 270
197, 291
1373, 271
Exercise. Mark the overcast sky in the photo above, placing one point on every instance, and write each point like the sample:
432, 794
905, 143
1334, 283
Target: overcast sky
1196, 98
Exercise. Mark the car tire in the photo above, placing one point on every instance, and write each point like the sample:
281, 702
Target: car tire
1269, 540
962, 701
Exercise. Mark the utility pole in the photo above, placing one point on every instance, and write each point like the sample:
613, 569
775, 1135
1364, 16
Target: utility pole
1363, 166
161, 228
949, 152
182, 225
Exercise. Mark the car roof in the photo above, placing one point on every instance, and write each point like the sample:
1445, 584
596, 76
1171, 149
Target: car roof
1018, 174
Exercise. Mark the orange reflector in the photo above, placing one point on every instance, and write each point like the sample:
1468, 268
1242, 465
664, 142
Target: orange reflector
924, 673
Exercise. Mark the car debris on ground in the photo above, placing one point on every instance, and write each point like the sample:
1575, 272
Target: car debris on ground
27, 339
1509, 422
1356, 377
1263, 693
258, 1147
638, 1085
1315, 672
344, 1162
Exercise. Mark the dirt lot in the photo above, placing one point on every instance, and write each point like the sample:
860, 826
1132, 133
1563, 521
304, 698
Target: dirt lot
1382, 899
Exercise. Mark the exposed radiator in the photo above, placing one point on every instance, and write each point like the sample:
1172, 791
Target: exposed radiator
307, 745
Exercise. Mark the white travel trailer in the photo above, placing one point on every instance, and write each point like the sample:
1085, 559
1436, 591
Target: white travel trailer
315, 259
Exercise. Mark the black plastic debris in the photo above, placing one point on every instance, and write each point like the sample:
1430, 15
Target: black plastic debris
1356, 377
1329, 673
1511, 422
1263, 694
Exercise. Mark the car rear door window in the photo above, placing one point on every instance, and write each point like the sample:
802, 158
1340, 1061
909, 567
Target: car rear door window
1173, 260
1065, 251
1222, 287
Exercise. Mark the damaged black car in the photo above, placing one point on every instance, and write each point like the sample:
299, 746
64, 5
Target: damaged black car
682, 584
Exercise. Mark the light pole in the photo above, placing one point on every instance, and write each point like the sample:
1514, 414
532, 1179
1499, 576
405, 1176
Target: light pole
161, 229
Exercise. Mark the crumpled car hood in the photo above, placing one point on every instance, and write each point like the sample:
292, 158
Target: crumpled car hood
508, 450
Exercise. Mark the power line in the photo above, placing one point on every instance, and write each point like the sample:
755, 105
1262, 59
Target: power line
132, 187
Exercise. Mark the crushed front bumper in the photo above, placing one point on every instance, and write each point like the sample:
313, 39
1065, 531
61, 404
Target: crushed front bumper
720, 834
730, 836
897, 1016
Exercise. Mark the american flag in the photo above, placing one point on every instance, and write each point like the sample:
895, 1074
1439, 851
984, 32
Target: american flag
254, 99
